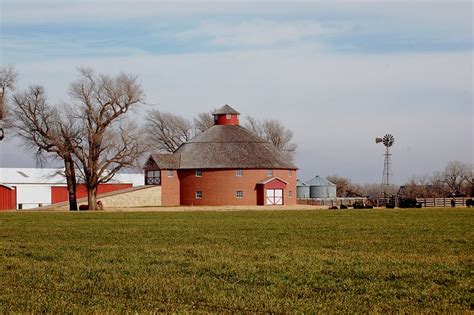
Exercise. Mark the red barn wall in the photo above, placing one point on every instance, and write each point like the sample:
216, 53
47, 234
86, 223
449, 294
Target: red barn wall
170, 189
60, 194
219, 186
7, 198
222, 120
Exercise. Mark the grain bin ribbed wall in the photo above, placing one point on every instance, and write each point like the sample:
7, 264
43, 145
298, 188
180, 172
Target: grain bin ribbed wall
321, 188
302, 190
322, 192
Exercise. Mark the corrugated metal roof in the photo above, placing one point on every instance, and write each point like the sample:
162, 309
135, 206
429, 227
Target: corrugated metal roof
299, 183
319, 181
53, 176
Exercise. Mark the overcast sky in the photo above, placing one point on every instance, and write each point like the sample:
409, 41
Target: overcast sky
337, 73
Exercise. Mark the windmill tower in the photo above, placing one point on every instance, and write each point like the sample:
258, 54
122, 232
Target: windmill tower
388, 140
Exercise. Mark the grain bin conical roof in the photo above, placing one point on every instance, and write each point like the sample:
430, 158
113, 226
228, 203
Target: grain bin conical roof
319, 181
300, 183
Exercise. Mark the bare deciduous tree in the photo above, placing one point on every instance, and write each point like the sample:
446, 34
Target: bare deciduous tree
110, 143
44, 129
454, 176
419, 187
166, 132
203, 121
274, 132
344, 186
8, 78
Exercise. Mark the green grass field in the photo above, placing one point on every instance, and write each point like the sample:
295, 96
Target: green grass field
268, 261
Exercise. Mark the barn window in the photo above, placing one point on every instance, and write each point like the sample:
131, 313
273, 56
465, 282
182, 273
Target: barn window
228, 116
290, 194
198, 173
198, 194
239, 194
170, 173
239, 173
289, 173
270, 173
153, 178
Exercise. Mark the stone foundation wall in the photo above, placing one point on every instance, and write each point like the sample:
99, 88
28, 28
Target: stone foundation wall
149, 196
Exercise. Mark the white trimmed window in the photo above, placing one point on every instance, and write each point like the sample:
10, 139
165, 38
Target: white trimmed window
198, 194
270, 173
239, 173
239, 194
228, 116
170, 173
198, 173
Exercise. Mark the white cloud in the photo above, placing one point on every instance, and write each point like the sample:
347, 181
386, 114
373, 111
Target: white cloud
257, 32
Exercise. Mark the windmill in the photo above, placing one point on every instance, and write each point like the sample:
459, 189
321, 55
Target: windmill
388, 140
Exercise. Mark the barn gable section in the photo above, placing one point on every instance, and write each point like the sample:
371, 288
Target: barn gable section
272, 180
150, 164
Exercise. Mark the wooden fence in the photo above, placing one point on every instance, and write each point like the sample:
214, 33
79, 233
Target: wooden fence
442, 202
349, 201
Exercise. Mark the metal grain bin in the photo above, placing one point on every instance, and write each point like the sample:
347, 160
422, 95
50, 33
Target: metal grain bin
320, 187
302, 190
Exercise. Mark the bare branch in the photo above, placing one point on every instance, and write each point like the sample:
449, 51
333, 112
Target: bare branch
167, 131
203, 121
274, 132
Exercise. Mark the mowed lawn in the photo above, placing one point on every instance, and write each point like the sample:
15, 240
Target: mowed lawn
248, 261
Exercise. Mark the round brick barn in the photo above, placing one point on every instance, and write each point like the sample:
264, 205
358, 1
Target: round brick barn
225, 165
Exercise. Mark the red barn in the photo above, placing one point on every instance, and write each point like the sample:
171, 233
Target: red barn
225, 165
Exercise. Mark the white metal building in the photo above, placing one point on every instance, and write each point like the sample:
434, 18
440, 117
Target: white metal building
35, 187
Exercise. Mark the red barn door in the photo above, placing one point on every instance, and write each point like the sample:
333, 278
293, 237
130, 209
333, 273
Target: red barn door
7, 198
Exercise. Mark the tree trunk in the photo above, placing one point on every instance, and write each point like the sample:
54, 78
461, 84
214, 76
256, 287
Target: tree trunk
71, 183
92, 198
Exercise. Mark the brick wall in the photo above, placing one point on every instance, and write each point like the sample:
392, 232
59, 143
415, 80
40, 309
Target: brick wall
170, 188
219, 186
